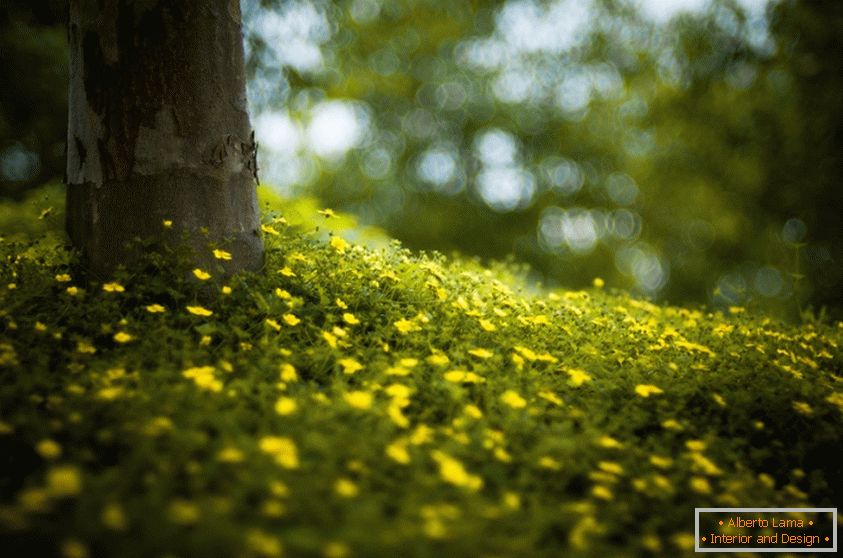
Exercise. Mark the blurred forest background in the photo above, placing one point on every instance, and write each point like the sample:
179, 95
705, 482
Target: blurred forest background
686, 150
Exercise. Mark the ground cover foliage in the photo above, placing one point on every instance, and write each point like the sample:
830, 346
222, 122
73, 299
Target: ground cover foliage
358, 399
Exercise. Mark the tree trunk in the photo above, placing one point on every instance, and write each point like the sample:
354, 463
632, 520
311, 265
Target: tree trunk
158, 130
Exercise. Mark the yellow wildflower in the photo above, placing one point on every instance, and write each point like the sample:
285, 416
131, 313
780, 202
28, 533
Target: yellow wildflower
283, 450
803, 408
609, 443
339, 244
695, 445
48, 449
463, 376
155, 309
286, 406
113, 287
122, 337
226, 290
222, 254
183, 512
481, 353
646, 390
62, 277
114, 518
168, 223
346, 488
287, 272
359, 399
269, 230
405, 326
700, 485
199, 311
291, 319
350, 318
397, 451
453, 472
273, 324
487, 325
350, 366
577, 377
513, 399
327, 213
230, 455
201, 274
64, 481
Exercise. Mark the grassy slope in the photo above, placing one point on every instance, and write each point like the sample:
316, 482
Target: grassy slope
483, 420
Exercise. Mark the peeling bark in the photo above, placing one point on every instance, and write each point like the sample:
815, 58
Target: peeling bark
158, 129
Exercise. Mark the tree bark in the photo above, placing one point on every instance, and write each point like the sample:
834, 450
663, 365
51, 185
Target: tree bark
158, 130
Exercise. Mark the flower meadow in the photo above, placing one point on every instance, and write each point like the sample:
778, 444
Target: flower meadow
358, 399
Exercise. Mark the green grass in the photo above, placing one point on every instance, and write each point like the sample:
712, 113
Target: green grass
375, 402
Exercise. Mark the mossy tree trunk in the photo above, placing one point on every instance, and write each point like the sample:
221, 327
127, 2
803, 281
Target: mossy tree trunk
158, 130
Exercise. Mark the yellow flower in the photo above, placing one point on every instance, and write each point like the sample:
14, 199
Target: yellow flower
203, 377
288, 373
803, 408
598, 283
700, 485
350, 366
487, 325
610, 467
273, 324
602, 492
453, 472
48, 449
672, 424
167, 223
339, 244
397, 451
513, 399
463, 376
330, 338
481, 353
282, 294
62, 277
113, 517
359, 399
199, 311
74, 548
552, 397
405, 326
122, 337
226, 290
661, 462
350, 318
578, 377
291, 319
283, 450
64, 481
230, 455
183, 512
222, 254
327, 213
155, 309
286, 406
346, 488
547, 462
287, 272
646, 390
609, 443
269, 230
113, 287
201, 275
438, 359
695, 445
73, 291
